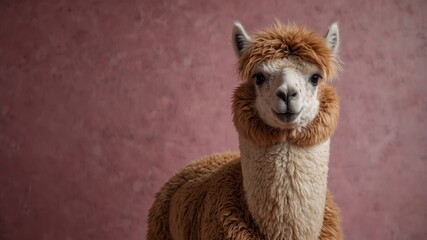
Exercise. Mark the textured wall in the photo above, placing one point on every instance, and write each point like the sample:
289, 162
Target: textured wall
101, 101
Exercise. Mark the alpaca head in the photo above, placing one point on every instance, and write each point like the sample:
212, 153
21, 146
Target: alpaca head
285, 66
284, 96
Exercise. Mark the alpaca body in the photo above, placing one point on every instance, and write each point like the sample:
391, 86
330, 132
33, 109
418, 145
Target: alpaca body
285, 187
285, 114
206, 200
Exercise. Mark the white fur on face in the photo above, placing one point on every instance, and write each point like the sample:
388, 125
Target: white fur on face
288, 77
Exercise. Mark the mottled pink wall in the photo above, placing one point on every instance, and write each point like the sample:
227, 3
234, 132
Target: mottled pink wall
102, 101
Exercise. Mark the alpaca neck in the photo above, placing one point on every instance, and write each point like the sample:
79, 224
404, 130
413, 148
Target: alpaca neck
285, 187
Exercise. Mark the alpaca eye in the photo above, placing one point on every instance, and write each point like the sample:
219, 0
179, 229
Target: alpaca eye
314, 79
259, 78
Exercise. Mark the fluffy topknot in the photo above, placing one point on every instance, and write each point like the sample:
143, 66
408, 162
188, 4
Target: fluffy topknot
288, 41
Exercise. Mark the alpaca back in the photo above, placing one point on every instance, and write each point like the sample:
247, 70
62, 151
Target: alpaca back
177, 187
206, 200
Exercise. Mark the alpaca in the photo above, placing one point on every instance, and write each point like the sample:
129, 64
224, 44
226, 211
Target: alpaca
285, 113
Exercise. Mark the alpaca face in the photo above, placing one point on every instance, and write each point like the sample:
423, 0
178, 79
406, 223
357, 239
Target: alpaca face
283, 71
286, 92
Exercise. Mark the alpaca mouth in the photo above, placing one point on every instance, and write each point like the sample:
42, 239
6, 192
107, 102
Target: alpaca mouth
287, 116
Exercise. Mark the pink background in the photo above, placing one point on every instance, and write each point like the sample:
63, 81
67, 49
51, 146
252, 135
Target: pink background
102, 101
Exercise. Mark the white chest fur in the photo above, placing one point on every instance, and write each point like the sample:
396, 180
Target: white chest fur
285, 188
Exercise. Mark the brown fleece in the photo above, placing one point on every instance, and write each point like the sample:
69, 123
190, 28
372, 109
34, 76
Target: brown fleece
206, 200
331, 228
289, 41
324, 124
158, 218
250, 126
246, 120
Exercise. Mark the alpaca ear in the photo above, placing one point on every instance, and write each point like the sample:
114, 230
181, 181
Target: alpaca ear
240, 39
333, 38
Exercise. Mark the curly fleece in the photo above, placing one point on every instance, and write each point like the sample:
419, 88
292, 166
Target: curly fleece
291, 41
206, 200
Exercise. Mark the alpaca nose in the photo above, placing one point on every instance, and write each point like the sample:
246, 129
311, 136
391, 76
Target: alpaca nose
286, 97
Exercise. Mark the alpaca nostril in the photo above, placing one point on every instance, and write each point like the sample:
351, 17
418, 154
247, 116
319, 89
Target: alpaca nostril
291, 94
282, 95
